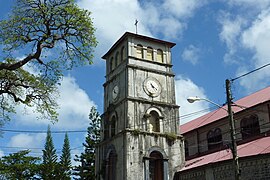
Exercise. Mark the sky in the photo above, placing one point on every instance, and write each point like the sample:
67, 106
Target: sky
215, 40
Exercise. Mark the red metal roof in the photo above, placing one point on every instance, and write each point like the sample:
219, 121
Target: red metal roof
256, 147
248, 101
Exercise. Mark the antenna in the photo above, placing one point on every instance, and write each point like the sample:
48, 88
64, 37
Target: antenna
136, 24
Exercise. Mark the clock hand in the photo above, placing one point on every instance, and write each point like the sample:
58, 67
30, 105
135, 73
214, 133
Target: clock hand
153, 86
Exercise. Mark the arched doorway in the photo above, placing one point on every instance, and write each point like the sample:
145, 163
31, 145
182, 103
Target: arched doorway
156, 166
111, 159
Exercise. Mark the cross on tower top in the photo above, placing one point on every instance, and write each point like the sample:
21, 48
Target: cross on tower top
136, 24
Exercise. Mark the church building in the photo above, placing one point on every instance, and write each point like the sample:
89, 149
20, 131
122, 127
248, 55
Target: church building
140, 124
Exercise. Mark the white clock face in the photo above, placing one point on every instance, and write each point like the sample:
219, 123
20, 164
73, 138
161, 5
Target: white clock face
152, 87
115, 92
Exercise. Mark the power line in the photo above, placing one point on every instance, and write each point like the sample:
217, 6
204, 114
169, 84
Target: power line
41, 131
38, 148
243, 75
168, 120
83, 131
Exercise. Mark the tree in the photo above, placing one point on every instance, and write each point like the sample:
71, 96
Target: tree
65, 160
50, 167
48, 37
86, 169
19, 166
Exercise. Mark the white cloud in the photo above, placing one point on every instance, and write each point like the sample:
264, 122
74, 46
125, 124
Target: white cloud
74, 106
27, 141
230, 33
257, 38
255, 81
248, 34
261, 4
114, 17
184, 89
191, 54
183, 8
73, 153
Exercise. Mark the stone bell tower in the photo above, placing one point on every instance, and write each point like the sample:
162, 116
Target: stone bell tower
140, 124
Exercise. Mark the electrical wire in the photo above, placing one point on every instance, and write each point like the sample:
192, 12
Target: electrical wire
83, 131
168, 120
243, 75
42, 131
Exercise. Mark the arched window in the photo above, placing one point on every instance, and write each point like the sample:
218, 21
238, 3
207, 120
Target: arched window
117, 59
186, 148
139, 51
149, 55
250, 126
123, 53
112, 64
111, 165
214, 139
113, 126
154, 124
106, 129
160, 56
156, 166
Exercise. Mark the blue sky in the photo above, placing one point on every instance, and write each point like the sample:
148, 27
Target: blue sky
215, 40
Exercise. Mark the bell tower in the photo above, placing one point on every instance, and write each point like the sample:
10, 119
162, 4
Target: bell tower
140, 124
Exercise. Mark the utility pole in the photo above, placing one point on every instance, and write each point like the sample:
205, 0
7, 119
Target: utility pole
232, 126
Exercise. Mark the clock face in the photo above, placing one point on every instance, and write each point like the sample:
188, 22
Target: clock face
152, 87
115, 92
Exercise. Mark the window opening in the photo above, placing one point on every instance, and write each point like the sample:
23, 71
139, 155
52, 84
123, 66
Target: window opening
214, 139
154, 121
112, 64
159, 56
123, 53
250, 126
113, 125
149, 55
139, 51
117, 59
186, 148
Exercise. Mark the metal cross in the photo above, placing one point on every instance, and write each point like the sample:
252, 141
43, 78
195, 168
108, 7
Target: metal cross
136, 24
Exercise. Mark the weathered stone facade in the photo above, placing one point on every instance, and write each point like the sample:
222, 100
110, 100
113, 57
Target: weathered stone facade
141, 120
252, 168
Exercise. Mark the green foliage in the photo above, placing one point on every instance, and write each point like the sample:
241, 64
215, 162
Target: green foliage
50, 168
65, 160
171, 136
136, 132
86, 170
19, 166
38, 29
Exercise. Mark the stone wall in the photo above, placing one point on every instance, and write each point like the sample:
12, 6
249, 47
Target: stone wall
252, 168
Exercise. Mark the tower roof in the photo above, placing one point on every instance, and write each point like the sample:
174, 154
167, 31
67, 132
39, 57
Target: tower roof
170, 44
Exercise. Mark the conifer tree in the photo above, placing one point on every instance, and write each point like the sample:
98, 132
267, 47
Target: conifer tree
50, 167
65, 160
19, 165
86, 169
